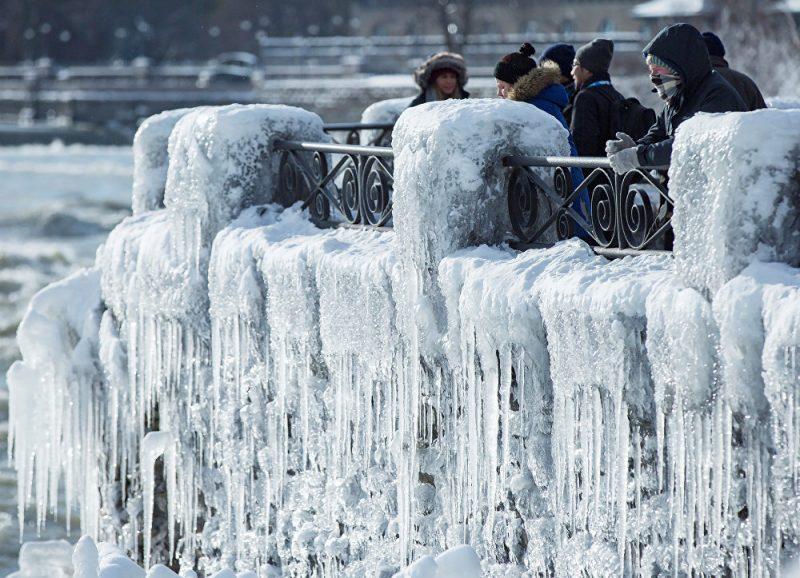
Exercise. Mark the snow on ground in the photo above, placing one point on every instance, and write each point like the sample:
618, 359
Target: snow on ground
285, 399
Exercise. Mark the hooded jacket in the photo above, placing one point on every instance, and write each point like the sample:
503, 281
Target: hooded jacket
682, 47
542, 88
440, 61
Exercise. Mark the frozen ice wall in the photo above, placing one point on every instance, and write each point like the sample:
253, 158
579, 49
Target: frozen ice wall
734, 179
268, 396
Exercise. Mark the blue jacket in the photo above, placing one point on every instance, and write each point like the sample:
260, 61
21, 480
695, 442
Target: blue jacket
541, 87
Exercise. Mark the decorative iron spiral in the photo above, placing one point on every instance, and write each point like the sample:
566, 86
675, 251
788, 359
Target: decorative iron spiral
604, 214
288, 180
376, 193
637, 216
523, 204
349, 194
562, 182
320, 206
320, 165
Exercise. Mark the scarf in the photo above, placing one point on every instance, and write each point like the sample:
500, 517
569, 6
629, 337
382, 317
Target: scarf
667, 85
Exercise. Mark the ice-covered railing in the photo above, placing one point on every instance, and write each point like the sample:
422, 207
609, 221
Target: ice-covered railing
260, 392
625, 214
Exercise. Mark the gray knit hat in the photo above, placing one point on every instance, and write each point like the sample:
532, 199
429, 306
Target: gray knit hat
596, 56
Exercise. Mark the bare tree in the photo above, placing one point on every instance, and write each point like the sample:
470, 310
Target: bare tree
456, 19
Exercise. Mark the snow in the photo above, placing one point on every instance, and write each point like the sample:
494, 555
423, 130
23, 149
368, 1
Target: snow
733, 179
784, 102
48, 559
235, 390
222, 160
152, 159
387, 111
449, 182
670, 8
85, 559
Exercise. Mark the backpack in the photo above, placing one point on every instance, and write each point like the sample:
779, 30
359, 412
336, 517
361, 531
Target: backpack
631, 117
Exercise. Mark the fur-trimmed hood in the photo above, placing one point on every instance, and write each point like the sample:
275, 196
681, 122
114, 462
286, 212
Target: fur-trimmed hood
532, 84
450, 60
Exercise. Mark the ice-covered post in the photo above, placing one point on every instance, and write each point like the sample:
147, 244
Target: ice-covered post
736, 186
449, 193
154, 267
151, 160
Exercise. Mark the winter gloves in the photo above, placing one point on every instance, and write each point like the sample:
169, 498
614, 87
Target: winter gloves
624, 161
622, 153
624, 142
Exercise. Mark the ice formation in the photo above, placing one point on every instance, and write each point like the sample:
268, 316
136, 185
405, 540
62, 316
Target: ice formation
261, 395
383, 111
734, 181
152, 160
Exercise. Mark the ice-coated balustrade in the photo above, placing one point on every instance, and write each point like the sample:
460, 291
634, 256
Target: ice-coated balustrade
233, 387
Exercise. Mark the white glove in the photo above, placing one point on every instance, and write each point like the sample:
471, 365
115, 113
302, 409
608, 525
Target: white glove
624, 142
625, 160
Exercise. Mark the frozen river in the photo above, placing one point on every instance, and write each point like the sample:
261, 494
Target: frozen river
58, 204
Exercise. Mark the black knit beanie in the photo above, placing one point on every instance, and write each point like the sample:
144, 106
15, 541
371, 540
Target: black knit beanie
596, 56
714, 44
512, 66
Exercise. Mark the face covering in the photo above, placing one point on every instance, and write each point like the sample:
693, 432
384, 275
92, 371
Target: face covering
667, 85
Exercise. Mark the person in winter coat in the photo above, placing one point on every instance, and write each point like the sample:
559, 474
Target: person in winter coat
680, 70
743, 84
591, 123
561, 56
518, 78
441, 77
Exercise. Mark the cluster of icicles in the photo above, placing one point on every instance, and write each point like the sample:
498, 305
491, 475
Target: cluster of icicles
290, 395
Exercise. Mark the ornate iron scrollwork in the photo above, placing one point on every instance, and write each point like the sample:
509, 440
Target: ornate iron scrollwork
376, 192
632, 211
350, 192
523, 204
359, 186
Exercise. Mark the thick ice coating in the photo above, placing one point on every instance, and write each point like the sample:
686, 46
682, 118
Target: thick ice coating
737, 196
239, 390
151, 159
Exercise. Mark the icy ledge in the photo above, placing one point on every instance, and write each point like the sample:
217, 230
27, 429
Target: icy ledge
258, 393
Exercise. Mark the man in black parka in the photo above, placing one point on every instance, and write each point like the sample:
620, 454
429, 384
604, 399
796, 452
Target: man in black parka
680, 70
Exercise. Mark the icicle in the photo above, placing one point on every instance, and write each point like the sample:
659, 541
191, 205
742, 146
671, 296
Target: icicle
155, 445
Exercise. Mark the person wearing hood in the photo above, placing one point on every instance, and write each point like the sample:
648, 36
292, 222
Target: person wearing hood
681, 72
560, 56
743, 84
592, 123
518, 78
441, 77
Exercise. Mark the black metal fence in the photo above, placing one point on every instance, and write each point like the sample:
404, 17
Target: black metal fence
617, 214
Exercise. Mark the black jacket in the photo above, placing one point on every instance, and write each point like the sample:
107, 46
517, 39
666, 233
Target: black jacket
704, 90
743, 84
571, 94
591, 117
